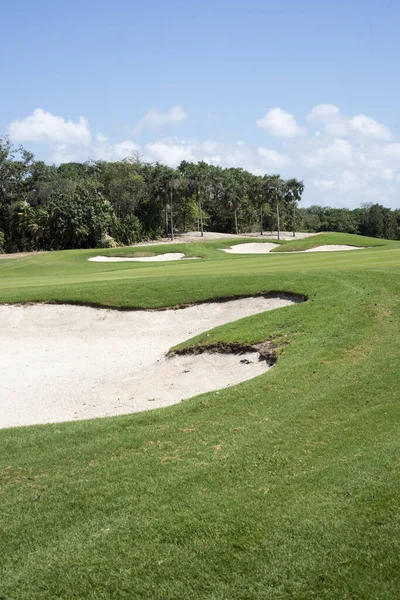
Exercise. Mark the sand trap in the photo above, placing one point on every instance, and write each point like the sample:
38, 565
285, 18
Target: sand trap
333, 248
253, 248
59, 363
156, 258
260, 248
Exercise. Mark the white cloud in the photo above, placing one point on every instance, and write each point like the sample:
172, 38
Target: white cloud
213, 160
348, 173
369, 127
125, 149
280, 123
115, 152
324, 184
392, 150
336, 124
170, 152
155, 118
101, 138
209, 146
323, 111
343, 160
43, 126
347, 182
338, 152
61, 154
376, 169
338, 127
273, 159
331, 118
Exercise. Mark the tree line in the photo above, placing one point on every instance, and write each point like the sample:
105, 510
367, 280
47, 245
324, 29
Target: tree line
370, 219
105, 204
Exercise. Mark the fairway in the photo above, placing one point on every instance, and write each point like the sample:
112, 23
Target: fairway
284, 486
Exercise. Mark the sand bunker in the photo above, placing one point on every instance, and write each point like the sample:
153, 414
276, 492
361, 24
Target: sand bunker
333, 248
59, 363
253, 248
260, 248
156, 258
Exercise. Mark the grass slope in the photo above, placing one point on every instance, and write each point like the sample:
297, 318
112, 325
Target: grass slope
327, 239
286, 486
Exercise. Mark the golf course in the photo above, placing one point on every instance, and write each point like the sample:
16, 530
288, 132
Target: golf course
283, 486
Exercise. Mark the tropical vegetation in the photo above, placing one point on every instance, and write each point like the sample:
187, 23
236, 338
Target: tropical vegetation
103, 204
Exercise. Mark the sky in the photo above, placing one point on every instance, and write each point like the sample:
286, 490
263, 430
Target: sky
305, 88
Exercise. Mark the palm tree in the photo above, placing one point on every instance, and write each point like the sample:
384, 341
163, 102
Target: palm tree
293, 192
161, 176
257, 196
235, 190
273, 189
176, 184
197, 177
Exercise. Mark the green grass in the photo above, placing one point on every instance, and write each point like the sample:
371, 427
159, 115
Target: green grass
286, 486
323, 239
123, 253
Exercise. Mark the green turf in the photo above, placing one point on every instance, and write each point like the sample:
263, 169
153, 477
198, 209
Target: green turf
121, 253
322, 239
286, 486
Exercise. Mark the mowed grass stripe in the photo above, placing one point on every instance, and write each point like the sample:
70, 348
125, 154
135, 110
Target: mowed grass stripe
70, 268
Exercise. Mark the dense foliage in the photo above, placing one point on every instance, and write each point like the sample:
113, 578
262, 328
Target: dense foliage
94, 204
104, 204
371, 219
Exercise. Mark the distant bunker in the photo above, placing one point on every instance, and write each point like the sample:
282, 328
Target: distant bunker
266, 248
144, 257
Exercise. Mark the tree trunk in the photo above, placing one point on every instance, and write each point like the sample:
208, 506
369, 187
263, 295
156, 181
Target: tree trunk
261, 220
200, 214
166, 220
236, 222
277, 220
294, 220
172, 215
9, 228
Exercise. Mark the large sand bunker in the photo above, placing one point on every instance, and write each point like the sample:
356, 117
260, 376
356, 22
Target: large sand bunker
265, 248
156, 258
60, 362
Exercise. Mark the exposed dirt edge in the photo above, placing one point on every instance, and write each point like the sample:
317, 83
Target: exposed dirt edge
266, 350
272, 294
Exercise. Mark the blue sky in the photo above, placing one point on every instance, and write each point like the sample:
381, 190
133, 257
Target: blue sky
306, 88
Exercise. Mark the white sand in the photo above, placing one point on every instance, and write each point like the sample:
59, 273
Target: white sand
60, 363
156, 258
260, 248
254, 248
333, 248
